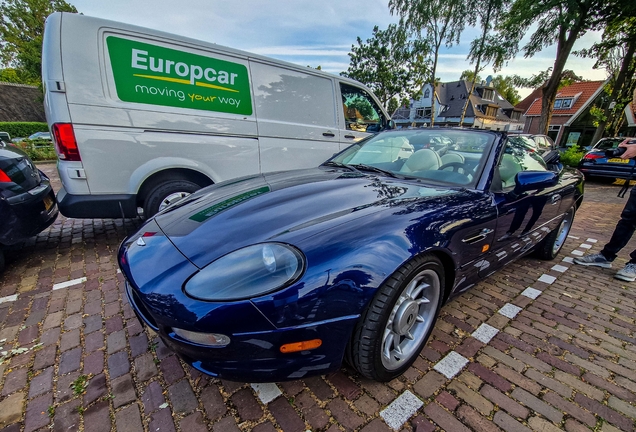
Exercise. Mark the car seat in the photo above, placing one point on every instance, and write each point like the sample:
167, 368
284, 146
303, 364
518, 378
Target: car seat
421, 160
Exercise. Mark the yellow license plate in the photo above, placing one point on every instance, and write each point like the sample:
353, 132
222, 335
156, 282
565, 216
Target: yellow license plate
48, 203
618, 160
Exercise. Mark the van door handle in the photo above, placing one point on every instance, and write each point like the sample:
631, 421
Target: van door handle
350, 136
328, 134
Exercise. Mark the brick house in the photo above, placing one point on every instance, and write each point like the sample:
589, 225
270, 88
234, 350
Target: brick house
571, 121
487, 108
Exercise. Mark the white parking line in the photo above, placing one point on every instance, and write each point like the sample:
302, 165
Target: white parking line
568, 260
67, 284
559, 268
547, 279
10, 298
266, 392
531, 292
585, 246
577, 253
451, 365
401, 409
485, 333
509, 310
591, 240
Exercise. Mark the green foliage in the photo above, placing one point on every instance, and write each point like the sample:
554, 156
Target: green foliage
437, 22
50, 411
572, 156
16, 76
598, 115
23, 129
38, 150
393, 105
468, 75
389, 63
79, 385
21, 32
506, 88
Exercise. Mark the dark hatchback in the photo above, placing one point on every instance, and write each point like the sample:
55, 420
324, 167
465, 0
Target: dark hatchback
596, 164
27, 200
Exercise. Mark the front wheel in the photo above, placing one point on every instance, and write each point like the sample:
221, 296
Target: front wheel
549, 248
398, 321
166, 194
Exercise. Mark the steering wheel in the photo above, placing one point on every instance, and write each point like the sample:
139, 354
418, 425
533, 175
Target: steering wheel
458, 167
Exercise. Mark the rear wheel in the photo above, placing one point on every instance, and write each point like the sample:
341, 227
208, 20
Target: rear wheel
398, 321
549, 248
166, 194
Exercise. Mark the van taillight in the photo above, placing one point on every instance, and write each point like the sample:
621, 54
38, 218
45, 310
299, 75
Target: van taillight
65, 143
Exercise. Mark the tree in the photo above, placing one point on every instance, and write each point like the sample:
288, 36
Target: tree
559, 22
441, 21
485, 49
21, 32
389, 63
10, 75
615, 53
506, 88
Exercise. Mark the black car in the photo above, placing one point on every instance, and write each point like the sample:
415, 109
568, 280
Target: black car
27, 200
595, 163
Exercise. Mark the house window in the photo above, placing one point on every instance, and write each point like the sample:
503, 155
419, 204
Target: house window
427, 93
423, 112
563, 103
491, 111
515, 115
488, 94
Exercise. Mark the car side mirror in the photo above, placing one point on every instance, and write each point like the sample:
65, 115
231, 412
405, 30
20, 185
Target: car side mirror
390, 125
534, 180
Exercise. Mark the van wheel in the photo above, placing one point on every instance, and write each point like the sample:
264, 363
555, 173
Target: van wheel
166, 194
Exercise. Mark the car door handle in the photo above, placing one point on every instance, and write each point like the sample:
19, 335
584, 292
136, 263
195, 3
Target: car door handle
350, 136
555, 199
477, 237
328, 134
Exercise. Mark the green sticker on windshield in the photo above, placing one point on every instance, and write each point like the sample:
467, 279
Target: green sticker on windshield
155, 75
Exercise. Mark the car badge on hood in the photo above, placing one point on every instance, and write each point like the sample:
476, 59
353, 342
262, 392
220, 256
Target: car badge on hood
141, 242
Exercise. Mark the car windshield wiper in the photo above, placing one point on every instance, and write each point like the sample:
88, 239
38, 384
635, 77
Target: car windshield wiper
364, 167
339, 165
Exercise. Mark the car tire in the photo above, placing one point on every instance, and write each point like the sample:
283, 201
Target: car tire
399, 320
167, 193
549, 248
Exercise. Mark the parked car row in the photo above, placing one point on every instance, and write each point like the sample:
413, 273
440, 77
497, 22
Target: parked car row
597, 163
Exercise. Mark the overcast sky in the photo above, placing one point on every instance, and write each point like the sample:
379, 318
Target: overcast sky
304, 32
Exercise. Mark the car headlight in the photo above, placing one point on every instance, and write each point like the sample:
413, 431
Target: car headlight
248, 272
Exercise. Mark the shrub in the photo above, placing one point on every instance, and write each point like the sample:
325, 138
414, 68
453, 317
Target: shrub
23, 129
572, 156
38, 150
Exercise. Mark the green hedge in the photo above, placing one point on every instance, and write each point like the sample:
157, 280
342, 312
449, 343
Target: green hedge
38, 150
23, 129
572, 156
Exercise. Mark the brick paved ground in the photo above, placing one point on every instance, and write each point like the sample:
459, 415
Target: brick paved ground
539, 346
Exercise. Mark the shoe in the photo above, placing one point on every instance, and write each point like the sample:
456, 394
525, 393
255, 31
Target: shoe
594, 260
627, 273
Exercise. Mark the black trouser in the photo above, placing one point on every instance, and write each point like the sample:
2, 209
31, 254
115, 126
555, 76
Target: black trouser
624, 230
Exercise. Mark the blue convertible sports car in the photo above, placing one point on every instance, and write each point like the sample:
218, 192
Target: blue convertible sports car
284, 275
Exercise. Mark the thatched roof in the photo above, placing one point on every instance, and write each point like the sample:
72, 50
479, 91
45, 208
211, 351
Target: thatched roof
19, 102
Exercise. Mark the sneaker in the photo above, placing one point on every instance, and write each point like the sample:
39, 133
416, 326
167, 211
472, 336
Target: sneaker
594, 260
627, 273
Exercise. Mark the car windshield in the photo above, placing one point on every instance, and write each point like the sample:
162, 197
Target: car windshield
609, 143
450, 156
523, 141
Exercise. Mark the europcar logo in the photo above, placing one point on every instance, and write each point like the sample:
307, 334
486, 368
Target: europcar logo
151, 74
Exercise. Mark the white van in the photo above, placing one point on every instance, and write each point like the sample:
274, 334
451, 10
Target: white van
141, 118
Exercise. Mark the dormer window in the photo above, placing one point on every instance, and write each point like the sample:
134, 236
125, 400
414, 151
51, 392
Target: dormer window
565, 103
488, 94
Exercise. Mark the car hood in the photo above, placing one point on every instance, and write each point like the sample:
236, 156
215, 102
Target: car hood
275, 207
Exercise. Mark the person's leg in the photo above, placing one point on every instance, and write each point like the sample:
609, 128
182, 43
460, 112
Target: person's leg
624, 229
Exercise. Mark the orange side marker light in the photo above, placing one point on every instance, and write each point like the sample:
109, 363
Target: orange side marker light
300, 346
